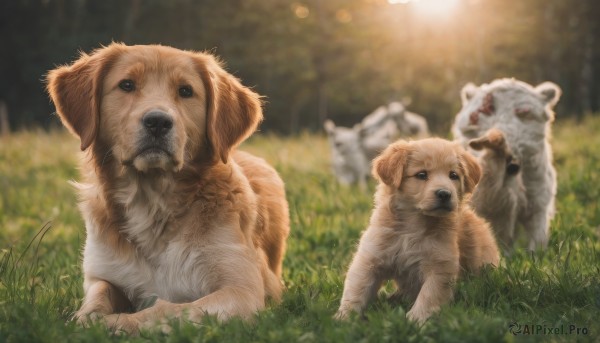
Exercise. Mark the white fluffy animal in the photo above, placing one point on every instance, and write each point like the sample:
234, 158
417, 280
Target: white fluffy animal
524, 114
388, 123
353, 149
349, 161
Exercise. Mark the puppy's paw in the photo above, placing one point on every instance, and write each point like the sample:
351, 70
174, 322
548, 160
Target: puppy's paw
341, 315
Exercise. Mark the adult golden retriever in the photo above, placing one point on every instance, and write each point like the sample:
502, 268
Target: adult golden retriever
171, 210
422, 231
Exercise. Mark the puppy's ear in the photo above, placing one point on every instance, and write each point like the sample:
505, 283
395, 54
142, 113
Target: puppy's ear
234, 111
468, 92
76, 91
549, 92
389, 166
329, 127
396, 109
471, 170
493, 139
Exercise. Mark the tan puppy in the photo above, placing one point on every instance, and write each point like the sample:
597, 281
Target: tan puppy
500, 195
171, 211
422, 232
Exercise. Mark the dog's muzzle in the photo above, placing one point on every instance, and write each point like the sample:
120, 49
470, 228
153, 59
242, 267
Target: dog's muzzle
443, 204
155, 142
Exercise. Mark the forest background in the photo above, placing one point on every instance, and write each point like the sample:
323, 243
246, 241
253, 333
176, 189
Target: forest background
314, 59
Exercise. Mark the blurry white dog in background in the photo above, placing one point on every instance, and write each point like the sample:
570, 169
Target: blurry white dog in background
349, 161
523, 114
353, 149
388, 123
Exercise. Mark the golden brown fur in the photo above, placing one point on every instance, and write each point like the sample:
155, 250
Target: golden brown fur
171, 210
422, 232
500, 197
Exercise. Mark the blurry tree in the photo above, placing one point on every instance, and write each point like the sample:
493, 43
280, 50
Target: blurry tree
318, 59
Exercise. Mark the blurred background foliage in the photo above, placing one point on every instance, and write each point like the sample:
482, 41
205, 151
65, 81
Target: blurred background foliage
319, 59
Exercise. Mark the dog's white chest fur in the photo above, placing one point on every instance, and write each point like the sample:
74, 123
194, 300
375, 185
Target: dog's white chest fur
172, 276
163, 264
145, 202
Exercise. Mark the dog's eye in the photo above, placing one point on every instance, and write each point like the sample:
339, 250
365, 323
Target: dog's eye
127, 85
422, 175
454, 176
186, 91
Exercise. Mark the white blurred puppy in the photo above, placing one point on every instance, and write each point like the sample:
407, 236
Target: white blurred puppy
353, 149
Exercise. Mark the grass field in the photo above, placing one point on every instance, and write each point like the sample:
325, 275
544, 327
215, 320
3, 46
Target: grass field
41, 234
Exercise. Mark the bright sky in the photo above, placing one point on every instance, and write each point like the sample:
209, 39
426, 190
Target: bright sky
430, 8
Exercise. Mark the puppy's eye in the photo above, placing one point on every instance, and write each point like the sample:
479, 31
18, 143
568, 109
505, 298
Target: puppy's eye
127, 85
186, 91
454, 176
422, 175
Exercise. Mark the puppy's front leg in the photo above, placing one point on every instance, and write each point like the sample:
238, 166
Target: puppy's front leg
101, 298
361, 285
436, 291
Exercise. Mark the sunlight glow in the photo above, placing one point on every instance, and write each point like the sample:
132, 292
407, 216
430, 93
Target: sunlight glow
430, 8
300, 10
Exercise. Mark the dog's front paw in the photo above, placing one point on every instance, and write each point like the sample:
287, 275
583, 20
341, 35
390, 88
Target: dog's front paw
122, 323
417, 316
86, 318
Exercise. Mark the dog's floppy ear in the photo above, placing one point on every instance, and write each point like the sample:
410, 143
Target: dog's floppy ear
389, 166
76, 91
493, 139
471, 170
234, 111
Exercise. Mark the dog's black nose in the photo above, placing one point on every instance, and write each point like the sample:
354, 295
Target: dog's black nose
512, 165
157, 123
513, 168
443, 194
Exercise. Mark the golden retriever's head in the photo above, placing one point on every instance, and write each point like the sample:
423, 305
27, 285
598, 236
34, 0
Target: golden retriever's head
153, 107
430, 176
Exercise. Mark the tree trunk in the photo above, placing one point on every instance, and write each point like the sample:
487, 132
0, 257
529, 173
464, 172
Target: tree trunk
587, 72
4, 124
320, 66
134, 12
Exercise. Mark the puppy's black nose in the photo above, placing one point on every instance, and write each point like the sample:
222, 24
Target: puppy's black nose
513, 168
157, 123
443, 194
513, 165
